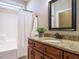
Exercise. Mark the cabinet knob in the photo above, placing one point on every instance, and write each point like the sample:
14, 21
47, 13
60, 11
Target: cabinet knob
34, 44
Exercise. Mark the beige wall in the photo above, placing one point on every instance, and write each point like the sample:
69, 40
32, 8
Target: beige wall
41, 8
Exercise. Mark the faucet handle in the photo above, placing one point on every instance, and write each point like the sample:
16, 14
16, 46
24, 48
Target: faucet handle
58, 36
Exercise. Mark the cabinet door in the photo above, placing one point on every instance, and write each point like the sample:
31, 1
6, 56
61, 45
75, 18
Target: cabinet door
46, 57
52, 52
70, 56
38, 55
30, 53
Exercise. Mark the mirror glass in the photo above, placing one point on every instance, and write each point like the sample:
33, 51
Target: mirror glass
62, 14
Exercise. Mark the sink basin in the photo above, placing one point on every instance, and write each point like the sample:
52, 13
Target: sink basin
51, 40
48, 38
54, 41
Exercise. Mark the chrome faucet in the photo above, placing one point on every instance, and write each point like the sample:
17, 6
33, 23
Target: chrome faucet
58, 36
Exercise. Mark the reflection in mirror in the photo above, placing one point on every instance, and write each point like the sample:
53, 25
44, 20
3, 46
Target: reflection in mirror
62, 14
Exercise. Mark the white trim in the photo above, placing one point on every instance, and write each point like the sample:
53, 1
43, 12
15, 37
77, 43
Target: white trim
63, 10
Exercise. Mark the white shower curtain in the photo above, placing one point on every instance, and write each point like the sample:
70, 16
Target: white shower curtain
24, 30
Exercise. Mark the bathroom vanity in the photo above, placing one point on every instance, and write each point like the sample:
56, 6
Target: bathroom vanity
40, 49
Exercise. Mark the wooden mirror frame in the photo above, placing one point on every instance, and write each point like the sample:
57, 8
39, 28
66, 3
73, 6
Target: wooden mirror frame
73, 28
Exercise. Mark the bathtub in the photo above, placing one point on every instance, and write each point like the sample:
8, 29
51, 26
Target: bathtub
8, 49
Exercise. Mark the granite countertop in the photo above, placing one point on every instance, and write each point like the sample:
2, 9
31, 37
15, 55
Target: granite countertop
66, 45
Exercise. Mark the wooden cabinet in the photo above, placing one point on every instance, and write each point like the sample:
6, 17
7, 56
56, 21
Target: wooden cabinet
37, 50
46, 57
30, 53
70, 56
37, 55
53, 52
39, 47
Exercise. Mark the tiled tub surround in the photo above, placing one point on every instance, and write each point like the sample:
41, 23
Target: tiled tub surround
66, 45
8, 49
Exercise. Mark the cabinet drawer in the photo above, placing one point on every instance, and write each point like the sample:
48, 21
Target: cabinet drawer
70, 56
30, 43
39, 47
53, 52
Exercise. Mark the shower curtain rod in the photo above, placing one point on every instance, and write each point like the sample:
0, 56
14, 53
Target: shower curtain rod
27, 10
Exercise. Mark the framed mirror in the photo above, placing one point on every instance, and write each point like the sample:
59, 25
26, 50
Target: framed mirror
62, 15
